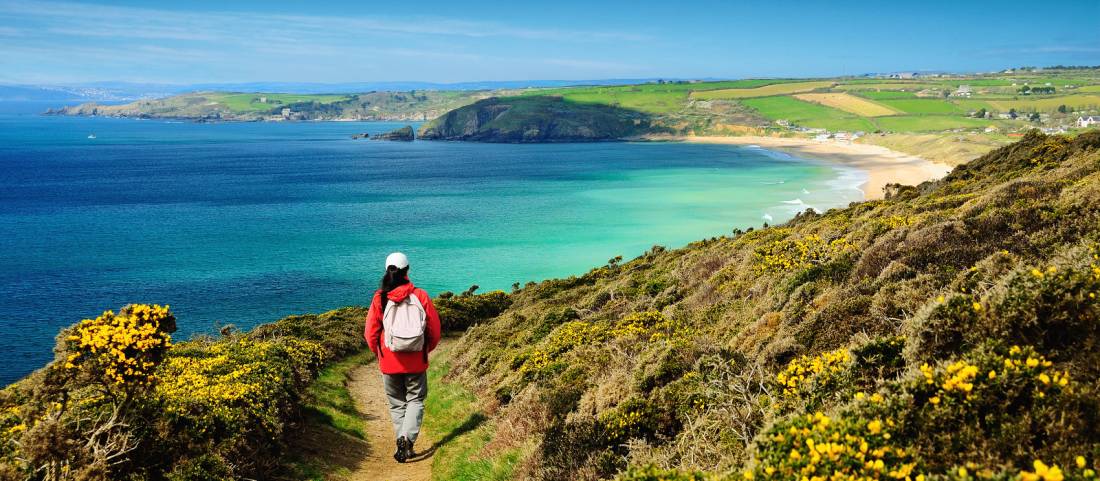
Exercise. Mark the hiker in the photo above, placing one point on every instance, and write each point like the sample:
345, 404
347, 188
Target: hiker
402, 328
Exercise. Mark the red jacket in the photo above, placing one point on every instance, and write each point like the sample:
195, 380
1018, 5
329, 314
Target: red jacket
401, 362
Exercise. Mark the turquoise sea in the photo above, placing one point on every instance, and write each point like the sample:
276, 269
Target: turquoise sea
244, 223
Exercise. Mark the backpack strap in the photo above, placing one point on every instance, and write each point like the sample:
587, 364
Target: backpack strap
427, 338
382, 309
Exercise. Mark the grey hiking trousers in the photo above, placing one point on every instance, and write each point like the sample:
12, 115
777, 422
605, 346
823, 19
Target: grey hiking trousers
406, 394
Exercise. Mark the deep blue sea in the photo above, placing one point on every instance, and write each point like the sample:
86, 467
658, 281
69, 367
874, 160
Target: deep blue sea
244, 223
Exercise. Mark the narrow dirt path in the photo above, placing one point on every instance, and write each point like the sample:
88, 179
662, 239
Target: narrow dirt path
365, 385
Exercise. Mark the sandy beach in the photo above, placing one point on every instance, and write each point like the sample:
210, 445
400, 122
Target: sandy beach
883, 166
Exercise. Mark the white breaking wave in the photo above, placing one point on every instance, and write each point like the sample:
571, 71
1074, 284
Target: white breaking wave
797, 205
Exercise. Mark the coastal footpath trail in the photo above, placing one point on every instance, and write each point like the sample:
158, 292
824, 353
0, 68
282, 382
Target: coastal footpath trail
365, 385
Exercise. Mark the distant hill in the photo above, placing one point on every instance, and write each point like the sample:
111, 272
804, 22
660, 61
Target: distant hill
122, 91
230, 106
536, 119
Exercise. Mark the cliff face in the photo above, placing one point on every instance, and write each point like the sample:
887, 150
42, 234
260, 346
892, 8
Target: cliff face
536, 119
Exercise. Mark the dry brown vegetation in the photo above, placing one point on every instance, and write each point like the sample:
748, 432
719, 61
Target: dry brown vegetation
849, 103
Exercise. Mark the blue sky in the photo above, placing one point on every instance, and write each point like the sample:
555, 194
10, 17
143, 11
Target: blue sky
194, 41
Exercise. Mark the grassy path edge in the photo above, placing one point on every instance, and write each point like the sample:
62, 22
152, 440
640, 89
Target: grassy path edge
453, 416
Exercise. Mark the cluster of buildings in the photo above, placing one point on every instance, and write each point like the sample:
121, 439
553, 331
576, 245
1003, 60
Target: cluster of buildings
1085, 122
839, 137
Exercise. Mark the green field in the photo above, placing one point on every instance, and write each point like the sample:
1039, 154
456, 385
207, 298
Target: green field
808, 114
251, 102
765, 91
885, 85
930, 123
640, 98
650, 98
1048, 104
923, 106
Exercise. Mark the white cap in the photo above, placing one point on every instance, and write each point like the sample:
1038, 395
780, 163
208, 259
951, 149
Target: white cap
397, 260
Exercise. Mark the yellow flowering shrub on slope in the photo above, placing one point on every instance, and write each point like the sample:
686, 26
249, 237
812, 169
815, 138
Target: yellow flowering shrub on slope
237, 385
794, 254
811, 373
121, 401
121, 349
931, 424
651, 325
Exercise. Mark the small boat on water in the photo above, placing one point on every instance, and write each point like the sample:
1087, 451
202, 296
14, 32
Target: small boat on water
91, 136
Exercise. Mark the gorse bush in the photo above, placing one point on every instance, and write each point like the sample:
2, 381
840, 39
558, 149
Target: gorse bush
121, 351
949, 331
121, 401
236, 388
462, 311
808, 374
792, 254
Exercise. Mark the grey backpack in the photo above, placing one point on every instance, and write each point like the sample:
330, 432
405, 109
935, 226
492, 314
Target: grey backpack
404, 324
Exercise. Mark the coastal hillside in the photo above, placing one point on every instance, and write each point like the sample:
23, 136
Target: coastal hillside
948, 331
231, 106
536, 119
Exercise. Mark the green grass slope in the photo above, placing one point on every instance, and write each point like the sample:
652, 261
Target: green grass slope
949, 331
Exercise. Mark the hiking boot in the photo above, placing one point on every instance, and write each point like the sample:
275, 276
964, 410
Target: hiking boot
402, 449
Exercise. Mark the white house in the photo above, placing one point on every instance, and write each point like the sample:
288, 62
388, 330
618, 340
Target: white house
1088, 121
963, 91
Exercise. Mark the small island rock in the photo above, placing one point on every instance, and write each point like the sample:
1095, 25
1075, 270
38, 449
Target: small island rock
404, 134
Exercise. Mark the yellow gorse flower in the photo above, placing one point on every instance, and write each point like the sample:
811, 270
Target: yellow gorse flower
819, 447
123, 348
786, 255
1042, 472
801, 373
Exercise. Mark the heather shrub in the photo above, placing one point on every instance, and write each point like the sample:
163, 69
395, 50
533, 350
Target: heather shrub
339, 332
651, 473
942, 329
460, 312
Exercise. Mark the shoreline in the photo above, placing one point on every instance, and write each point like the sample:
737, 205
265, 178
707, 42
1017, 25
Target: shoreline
881, 165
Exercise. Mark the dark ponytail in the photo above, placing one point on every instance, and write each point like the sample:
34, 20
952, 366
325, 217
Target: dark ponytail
392, 279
